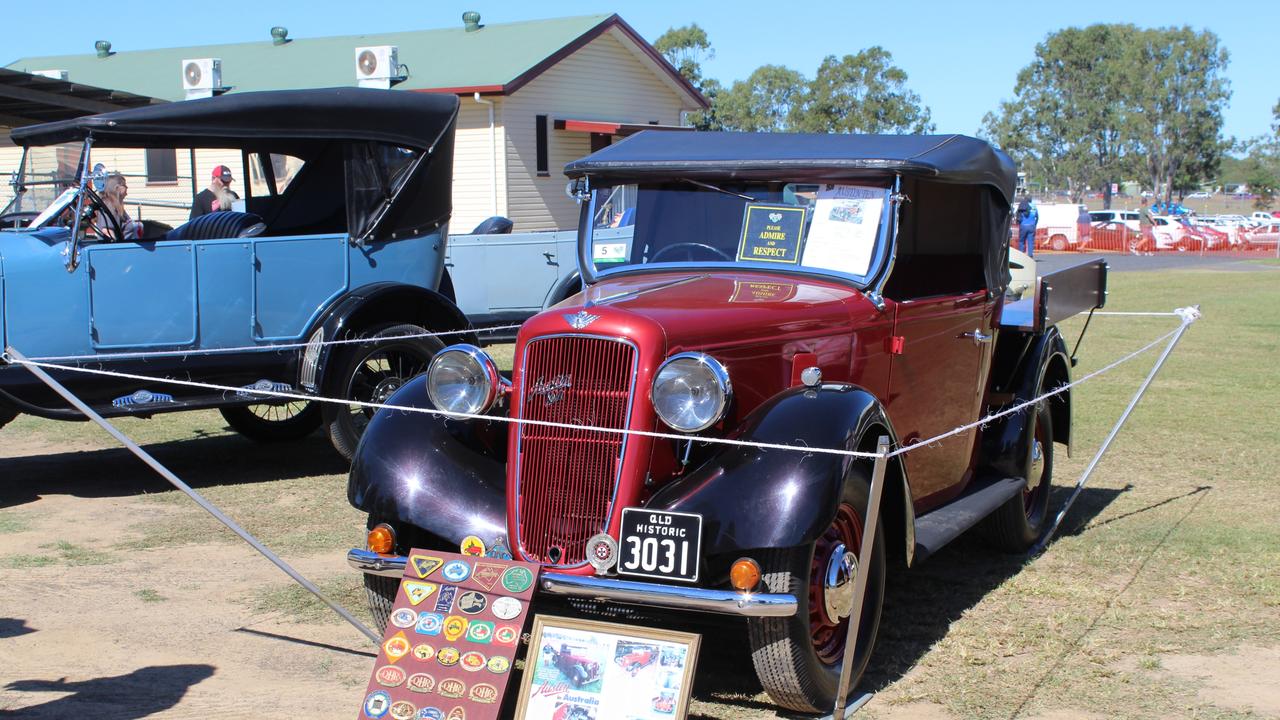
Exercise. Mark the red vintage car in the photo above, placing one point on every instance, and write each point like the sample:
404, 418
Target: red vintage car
817, 292
637, 659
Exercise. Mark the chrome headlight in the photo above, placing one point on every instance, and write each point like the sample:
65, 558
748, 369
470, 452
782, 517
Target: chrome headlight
463, 379
691, 391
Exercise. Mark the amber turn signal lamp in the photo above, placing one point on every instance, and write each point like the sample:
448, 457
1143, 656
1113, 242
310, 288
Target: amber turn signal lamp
745, 574
382, 539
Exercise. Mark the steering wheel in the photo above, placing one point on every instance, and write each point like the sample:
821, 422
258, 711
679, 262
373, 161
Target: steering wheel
98, 211
689, 248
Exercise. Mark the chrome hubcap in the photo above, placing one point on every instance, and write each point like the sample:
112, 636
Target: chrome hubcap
1037, 464
386, 389
837, 586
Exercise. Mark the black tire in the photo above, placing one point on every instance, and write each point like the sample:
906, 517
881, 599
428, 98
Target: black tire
7, 415
1016, 526
371, 372
1058, 243
798, 658
274, 423
380, 595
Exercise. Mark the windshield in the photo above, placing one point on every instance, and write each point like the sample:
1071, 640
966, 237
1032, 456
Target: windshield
827, 228
45, 173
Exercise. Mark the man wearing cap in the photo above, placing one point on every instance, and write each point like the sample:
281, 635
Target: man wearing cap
217, 196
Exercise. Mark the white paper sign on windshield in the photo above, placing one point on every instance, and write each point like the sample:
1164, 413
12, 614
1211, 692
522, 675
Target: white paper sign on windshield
846, 220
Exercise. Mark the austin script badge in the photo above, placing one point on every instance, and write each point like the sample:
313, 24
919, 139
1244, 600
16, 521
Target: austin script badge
552, 391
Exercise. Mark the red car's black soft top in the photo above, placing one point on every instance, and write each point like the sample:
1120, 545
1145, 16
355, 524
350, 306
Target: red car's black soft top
775, 156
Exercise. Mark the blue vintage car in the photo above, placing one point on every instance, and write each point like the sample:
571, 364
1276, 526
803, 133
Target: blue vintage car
349, 246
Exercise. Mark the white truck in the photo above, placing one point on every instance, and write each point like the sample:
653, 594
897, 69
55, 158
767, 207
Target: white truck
1058, 220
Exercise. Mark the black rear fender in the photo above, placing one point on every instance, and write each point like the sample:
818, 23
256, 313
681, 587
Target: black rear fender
1026, 365
752, 497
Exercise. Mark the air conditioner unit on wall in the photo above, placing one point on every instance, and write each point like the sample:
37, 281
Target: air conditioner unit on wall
377, 66
201, 77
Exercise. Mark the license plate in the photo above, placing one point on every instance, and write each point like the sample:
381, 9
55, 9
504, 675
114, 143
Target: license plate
659, 544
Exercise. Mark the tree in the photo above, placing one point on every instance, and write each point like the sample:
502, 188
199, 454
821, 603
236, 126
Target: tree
861, 93
764, 102
1069, 122
686, 48
1177, 123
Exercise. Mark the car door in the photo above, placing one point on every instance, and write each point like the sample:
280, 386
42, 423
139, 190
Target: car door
937, 384
141, 294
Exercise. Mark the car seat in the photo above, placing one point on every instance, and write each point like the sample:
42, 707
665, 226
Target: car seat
218, 225
496, 225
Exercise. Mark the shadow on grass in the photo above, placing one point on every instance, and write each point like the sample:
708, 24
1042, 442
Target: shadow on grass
13, 627
199, 462
920, 606
139, 694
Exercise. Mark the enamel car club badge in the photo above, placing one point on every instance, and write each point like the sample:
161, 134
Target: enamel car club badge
454, 626
444, 602
403, 710
473, 661
455, 571
506, 635
472, 546
472, 602
448, 657
418, 591
451, 688
396, 647
404, 618
517, 579
389, 675
486, 574
424, 652
421, 683
429, 623
430, 713
424, 565
377, 704
457, 713
506, 608
498, 665
499, 550
483, 693
480, 631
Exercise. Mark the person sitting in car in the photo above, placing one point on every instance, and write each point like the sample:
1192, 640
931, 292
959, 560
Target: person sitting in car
114, 190
218, 196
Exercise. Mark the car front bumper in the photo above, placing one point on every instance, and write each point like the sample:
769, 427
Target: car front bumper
611, 589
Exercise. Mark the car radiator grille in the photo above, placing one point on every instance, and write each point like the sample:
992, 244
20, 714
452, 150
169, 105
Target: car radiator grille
567, 477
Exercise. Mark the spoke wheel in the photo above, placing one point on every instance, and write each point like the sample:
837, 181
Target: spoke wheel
274, 422
798, 659
371, 373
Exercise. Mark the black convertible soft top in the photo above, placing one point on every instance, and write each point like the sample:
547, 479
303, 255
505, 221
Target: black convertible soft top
277, 118
656, 154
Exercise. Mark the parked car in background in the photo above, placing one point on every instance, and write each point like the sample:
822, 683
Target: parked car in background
1058, 224
1169, 232
1263, 237
350, 246
815, 291
1260, 217
1200, 195
1130, 218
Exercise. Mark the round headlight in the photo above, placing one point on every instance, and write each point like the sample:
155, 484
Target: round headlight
463, 379
691, 391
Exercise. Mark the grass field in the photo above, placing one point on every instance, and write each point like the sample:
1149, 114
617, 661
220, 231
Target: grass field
1159, 594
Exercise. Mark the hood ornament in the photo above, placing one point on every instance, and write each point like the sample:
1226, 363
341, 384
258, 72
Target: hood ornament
581, 319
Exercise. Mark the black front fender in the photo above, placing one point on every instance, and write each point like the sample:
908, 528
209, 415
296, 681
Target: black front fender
431, 473
751, 497
1028, 366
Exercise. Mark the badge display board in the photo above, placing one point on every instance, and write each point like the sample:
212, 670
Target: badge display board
590, 670
448, 649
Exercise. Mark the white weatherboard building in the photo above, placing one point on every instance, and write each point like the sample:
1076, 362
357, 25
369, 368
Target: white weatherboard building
534, 95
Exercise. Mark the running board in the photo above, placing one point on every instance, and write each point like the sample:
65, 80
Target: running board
937, 528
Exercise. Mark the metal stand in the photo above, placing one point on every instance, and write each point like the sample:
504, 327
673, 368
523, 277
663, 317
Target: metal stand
1188, 315
199, 499
842, 708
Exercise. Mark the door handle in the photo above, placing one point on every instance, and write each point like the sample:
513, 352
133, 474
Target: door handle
977, 337
551, 259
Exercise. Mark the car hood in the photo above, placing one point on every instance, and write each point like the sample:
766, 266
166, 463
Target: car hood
706, 310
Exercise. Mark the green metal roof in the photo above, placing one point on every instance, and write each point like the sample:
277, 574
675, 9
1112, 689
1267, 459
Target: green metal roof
495, 58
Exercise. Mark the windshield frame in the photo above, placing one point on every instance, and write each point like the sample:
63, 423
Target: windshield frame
878, 268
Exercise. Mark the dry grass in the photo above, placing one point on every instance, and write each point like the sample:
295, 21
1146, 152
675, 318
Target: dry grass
1171, 550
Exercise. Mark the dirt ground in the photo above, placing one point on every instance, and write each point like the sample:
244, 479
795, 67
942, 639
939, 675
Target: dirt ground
119, 599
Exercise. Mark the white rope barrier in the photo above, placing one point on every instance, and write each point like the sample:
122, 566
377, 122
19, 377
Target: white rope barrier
102, 357
1188, 316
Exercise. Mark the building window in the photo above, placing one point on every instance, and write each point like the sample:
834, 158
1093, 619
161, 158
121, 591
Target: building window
162, 166
544, 169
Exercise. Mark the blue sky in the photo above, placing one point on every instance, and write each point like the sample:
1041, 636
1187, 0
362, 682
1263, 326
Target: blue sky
962, 58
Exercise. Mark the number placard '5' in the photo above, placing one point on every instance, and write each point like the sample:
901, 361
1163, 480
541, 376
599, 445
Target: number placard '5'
659, 544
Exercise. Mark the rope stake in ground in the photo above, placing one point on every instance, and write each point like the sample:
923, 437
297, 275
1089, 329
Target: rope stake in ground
1188, 316
199, 499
